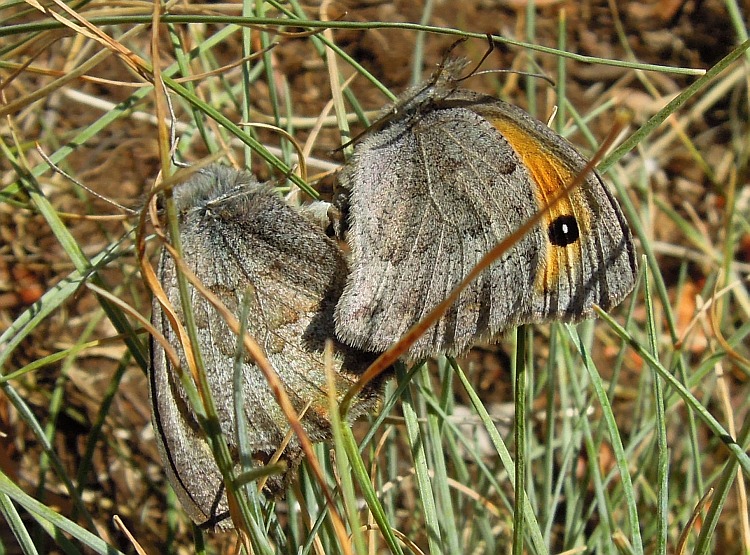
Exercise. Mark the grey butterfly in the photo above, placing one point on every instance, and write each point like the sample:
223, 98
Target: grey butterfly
246, 245
441, 178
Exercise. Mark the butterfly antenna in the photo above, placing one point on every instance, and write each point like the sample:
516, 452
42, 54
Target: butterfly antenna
490, 48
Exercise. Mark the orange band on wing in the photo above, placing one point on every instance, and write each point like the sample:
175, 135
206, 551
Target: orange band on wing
548, 171
550, 174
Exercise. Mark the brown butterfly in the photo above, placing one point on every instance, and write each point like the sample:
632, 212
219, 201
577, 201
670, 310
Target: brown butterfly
247, 246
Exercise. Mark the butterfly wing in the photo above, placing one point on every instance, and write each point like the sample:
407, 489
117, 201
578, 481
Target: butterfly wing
430, 194
588, 252
249, 248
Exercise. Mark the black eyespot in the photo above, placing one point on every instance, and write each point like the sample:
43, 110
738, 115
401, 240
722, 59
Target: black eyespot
563, 231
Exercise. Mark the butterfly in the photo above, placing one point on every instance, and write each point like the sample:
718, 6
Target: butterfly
445, 174
256, 253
